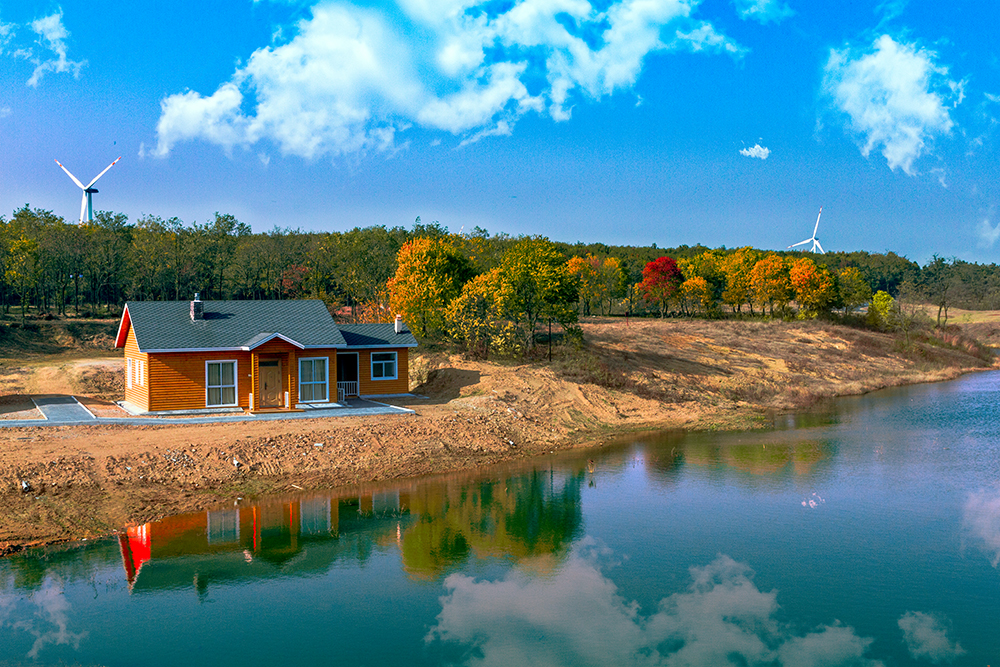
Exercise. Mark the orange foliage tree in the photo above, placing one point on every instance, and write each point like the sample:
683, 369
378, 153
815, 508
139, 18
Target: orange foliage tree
813, 285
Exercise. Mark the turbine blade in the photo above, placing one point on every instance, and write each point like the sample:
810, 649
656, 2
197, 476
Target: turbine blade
83, 208
800, 243
821, 251
116, 162
71, 175
815, 229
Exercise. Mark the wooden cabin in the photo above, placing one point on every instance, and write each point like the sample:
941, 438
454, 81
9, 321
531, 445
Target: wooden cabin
255, 356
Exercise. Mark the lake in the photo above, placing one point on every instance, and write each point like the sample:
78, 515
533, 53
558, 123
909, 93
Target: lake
865, 533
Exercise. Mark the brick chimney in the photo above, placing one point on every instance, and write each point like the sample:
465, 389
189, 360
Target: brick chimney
197, 308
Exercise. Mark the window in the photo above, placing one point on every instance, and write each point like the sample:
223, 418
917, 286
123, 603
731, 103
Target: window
220, 383
128, 373
383, 365
313, 380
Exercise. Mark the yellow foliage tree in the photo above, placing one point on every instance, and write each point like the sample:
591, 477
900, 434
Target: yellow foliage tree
769, 282
430, 273
696, 293
736, 267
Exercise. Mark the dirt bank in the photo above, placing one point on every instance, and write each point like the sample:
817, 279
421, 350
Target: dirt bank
88, 481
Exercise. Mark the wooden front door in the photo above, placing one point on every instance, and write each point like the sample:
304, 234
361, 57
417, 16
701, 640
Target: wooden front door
271, 391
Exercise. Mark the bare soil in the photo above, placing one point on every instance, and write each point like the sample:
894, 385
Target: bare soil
629, 376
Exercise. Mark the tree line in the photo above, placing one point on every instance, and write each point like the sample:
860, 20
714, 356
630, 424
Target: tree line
49, 266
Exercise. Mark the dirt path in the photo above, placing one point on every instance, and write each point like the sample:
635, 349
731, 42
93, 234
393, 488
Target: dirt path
85, 481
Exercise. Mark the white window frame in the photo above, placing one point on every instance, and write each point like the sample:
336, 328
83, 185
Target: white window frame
128, 372
235, 385
326, 379
395, 366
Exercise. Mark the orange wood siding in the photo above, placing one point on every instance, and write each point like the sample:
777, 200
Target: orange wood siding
331, 370
400, 385
138, 393
177, 379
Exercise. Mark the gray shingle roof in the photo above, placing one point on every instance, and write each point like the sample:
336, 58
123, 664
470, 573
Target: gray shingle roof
377, 335
167, 325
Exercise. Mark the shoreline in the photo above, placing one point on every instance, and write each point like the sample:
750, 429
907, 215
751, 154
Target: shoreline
92, 481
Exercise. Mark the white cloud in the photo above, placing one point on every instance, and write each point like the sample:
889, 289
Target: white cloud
4, 112
763, 11
988, 234
926, 637
6, 34
349, 79
895, 96
52, 35
756, 151
722, 618
889, 10
216, 119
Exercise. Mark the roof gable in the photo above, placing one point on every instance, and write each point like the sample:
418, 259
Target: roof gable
166, 326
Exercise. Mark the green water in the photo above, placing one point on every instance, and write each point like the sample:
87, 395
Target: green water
867, 534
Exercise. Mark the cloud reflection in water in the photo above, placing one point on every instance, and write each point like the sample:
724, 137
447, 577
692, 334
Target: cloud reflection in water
50, 622
981, 518
577, 617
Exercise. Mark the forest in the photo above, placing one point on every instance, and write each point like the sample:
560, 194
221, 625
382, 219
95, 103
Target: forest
49, 267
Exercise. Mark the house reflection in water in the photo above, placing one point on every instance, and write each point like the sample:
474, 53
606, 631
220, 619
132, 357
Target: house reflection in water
298, 537
530, 518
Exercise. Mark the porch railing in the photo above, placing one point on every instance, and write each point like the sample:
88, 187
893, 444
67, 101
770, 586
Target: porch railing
348, 388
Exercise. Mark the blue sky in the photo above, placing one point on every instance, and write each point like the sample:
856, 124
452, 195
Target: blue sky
722, 122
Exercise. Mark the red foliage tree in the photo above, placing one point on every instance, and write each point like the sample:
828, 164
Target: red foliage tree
660, 280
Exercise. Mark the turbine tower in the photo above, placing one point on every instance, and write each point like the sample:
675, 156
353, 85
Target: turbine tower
812, 239
87, 203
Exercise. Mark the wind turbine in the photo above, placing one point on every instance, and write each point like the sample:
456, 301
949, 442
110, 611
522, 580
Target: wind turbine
812, 239
87, 203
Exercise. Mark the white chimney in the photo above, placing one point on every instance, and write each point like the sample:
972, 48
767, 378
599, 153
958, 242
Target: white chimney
399, 324
197, 308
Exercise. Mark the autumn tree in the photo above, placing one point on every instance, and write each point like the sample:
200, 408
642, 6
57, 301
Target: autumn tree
736, 267
430, 272
708, 267
474, 318
660, 281
696, 293
600, 280
769, 282
813, 286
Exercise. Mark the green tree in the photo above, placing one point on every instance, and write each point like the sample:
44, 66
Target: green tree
534, 284
853, 289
